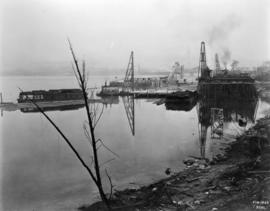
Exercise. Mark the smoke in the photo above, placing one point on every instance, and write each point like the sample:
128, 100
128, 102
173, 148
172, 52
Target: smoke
220, 34
225, 57
223, 30
234, 64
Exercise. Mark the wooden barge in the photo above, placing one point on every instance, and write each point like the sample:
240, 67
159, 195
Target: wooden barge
51, 100
50, 95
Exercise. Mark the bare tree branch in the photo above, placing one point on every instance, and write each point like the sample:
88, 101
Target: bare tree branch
86, 133
76, 75
107, 161
82, 80
108, 148
110, 180
100, 114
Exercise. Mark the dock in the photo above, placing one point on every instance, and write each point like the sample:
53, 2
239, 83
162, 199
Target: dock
159, 93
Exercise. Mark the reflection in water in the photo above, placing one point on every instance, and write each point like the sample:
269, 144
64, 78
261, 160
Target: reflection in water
52, 108
128, 102
181, 105
40, 173
214, 111
111, 100
92, 101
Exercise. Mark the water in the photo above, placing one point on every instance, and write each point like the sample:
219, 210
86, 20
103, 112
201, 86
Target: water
40, 172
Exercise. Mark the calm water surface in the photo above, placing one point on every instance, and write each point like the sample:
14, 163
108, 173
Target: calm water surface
40, 172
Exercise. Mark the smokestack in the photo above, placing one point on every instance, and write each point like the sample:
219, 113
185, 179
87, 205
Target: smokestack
217, 63
182, 71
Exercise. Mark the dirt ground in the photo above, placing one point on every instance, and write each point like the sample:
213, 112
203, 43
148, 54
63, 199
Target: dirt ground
237, 180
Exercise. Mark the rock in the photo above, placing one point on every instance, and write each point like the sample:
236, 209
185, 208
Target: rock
154, 189
202, 166
227, 188
197, 202
189, 162
168, 171
180, 203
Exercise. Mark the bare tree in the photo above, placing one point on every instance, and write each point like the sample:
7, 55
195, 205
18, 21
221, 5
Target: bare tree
92, 122
93, 116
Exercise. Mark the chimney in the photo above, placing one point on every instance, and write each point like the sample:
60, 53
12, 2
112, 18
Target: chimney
217, 63
203, 69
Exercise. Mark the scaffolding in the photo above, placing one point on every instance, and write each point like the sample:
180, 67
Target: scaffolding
129, 77
217, 122
128, 102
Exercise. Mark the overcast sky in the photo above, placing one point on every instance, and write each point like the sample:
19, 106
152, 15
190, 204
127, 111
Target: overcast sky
34, 32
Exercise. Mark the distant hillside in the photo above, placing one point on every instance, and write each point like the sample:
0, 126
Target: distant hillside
66, 70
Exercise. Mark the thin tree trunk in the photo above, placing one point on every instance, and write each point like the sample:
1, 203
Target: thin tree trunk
82, 81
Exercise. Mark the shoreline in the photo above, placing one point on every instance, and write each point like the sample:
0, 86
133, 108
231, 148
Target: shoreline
237, 180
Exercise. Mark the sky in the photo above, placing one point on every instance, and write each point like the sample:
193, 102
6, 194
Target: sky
103, 32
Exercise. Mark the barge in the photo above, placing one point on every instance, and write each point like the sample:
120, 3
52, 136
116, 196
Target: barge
232, 84
50, 95
52, 100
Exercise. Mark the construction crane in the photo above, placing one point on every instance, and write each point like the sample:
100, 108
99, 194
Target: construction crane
128, 102
203, 71
129, 77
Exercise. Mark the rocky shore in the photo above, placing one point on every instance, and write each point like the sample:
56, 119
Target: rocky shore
237, 180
